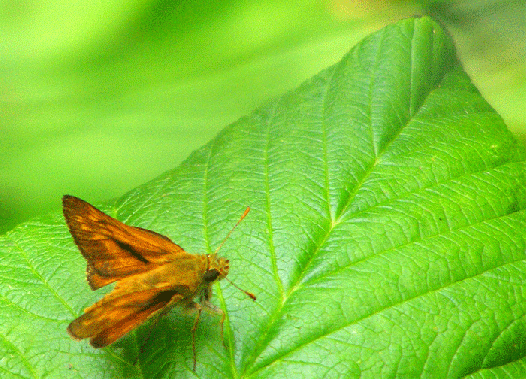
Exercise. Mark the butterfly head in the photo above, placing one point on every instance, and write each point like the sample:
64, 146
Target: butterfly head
217, 268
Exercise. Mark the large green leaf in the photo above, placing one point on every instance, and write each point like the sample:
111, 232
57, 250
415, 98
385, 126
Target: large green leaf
386, 238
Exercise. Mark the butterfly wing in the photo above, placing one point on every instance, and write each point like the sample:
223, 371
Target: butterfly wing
117, 314
112, 249
136, 298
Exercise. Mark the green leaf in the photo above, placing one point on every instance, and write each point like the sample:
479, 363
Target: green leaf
386, 237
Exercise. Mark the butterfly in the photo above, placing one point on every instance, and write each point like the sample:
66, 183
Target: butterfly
153, 274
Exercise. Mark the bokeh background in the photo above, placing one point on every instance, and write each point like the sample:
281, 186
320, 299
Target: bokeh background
98, 97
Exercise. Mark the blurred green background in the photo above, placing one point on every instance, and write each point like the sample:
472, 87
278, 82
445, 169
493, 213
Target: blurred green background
99, 97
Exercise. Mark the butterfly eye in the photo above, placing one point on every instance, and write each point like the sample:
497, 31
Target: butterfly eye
210, 275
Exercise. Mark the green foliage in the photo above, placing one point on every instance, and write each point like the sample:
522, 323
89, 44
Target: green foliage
386, 237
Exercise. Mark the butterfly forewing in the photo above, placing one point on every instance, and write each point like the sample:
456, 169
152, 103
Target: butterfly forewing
112, 249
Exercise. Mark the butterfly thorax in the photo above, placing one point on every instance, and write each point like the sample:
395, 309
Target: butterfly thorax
192, 274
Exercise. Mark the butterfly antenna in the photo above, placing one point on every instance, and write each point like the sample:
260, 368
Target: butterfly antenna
235, 226
249, 294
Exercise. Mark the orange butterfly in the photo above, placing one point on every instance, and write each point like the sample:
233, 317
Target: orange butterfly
152, 273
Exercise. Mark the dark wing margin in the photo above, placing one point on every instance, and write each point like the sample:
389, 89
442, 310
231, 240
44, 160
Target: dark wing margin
112, 249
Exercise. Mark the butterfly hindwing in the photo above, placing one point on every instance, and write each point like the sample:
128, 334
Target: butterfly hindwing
116, 314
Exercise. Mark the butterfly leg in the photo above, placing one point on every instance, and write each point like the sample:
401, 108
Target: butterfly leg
156, 317
211, 308
194, 329
199, 307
